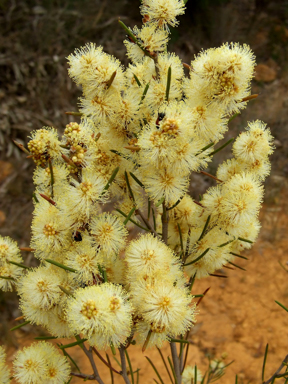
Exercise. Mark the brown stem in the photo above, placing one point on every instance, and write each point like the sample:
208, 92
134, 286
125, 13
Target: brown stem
123, 365
176, 362
165, 219
283, 364
212, 177
146, 222
89, 354
105, 362
83, 376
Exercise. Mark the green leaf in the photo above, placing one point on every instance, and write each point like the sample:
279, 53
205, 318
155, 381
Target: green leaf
198, 258
144, 92
45, 337
155, 369
61, 265
236, 266
130, 365
281, 305
110, 181
111, 371
205, 227
137, 180
181, 239
137, 80
245, 240
160, 202
19, 265
19, 326
164, 362
78, 342
233, 117
220, 148
132, 221
175, 205
7, 278
129, 186
65, 353
178, 341
168, 83
236, 254
129, 215
172, 369
264, 362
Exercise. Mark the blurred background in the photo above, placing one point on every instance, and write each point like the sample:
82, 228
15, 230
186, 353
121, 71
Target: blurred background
36, 36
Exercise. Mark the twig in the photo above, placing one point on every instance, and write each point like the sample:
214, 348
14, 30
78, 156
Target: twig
165, 219
89, 354
176, 362
83, 376
123, 364
283, 364
146, 222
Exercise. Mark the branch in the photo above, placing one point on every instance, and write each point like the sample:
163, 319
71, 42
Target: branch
83, 376
146, 222
176, 362
89, 354
165, 219
283, 364
123, 365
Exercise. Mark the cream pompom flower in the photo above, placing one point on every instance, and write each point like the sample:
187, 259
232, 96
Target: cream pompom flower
108, 233
11, 274
189, 375
166, 183
168, 308
41, 363
44, 144
83, 257
147, 255
162, 12
222, 76
102, 313
9, 251
30, 366
4, 371
254, 144
83, 197
50, 230
150, 37
58, 367
41, 287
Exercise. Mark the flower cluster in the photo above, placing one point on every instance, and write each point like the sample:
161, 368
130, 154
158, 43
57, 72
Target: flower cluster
143, 130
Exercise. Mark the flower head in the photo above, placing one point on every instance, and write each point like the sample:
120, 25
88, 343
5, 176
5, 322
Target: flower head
101, 313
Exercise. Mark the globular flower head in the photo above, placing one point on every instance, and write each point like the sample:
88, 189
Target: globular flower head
82, 198
147, 256
108, 233
190, 373
41, 287
168, 308
102, 313
150, 37
164, 183
9, 251
10, 273
50, 230
222, 76
44, 144
4, 371
162, 12
254, 144
41, 362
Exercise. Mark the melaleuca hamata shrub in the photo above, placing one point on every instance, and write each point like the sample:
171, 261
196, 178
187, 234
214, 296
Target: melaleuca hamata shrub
125, 165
